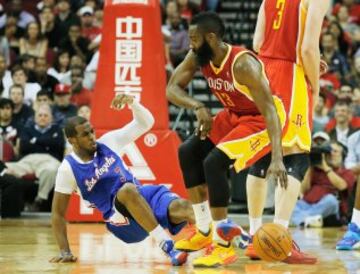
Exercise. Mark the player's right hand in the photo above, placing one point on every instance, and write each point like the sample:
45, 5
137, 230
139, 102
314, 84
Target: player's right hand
277, 174
204, 119
69, 258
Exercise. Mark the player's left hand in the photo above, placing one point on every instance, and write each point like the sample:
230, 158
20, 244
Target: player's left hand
121, 100
323, 67
277, 174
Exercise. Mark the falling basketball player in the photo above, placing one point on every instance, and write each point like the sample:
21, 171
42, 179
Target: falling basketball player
287, 39
94, 169
249, 126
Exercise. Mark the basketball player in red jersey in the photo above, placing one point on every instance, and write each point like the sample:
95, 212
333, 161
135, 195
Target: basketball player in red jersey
287, 39
249, 126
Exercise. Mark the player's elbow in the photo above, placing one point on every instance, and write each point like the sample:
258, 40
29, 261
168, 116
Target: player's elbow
308, 51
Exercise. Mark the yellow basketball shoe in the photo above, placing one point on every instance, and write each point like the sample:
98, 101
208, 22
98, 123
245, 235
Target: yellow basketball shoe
195, 241
217, 255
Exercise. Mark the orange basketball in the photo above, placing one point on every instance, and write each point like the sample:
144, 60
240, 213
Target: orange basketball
272, 242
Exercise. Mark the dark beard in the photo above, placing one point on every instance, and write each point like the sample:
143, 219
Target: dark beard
204, 54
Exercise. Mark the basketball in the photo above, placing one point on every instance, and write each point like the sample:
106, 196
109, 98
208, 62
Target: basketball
272, 242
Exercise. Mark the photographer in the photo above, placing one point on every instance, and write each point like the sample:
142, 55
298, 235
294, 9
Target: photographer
326, 186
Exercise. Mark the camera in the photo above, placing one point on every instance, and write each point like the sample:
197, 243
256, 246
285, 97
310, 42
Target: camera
316, 153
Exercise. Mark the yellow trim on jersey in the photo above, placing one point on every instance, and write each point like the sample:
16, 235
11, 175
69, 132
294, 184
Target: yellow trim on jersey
246, 148
301, 31
218, 70
242, 88
298, 130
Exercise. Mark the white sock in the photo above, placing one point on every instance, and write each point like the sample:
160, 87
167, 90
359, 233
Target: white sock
159, 234
255, 224
356, 217
284, 223
202, 216
216, 237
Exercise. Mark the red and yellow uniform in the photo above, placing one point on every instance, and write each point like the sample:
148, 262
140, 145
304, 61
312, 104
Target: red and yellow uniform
280, 53
239, 130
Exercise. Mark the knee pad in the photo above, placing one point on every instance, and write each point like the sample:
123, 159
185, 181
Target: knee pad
216, 166
191, 156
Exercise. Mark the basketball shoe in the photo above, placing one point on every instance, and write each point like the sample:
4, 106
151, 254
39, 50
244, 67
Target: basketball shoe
298, 257
195, 241
230, 231
216, 255
177, 257
351, 239
250, 251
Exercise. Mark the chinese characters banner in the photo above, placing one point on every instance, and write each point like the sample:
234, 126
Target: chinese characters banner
132, 61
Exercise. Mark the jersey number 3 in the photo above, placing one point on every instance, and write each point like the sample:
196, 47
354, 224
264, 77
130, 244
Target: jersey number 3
280, 6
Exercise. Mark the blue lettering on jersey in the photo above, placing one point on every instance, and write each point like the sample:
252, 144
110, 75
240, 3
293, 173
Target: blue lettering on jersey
100, 179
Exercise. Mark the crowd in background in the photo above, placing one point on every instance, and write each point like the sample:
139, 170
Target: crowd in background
48, 62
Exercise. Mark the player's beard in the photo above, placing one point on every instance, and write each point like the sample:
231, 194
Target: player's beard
203, 54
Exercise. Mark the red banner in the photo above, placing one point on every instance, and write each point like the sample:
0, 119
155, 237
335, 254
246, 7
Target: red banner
132, 61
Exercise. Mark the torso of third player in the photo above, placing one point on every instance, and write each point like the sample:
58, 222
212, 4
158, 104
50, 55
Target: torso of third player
231, 94
284, 29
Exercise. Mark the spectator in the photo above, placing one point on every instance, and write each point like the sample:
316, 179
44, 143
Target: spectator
8, 129
43, 97
80, 95
27, 61
353, 8
355, 74
352, 161
89, 76
84, 111
344, 43
325, 180
343, 129
22, 112
46, 81
33, 42
19, 77
179, 44
356, 102
320, 137
47, 25
345, 23
62, 96
187, 9
11, 34
61, 65
88, 30
42, 147
16, 8
65, 18
5, 75
75, 43
99, 14
336, 61
46, 4
320, 118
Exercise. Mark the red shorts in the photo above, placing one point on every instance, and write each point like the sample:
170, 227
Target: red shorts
287, 81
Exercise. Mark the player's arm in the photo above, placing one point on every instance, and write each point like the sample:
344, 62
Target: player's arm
63, 189
177, 95
248, 72
310, 51
260, 29
142, 122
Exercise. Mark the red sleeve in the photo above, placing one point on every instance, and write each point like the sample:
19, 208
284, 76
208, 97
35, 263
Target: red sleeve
348, 176
330, 125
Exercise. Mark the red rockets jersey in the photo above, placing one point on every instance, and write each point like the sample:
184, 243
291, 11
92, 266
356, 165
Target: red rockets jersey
284, 29
222, 83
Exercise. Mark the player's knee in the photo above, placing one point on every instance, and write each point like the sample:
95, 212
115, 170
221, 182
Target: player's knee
186, 150
127, 193
216, 161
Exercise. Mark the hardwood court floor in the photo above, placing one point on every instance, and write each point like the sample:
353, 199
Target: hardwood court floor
26, 246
